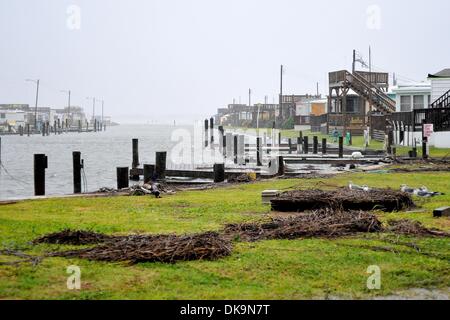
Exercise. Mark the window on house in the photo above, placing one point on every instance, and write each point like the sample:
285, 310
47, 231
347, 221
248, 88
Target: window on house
419, 102
405, 103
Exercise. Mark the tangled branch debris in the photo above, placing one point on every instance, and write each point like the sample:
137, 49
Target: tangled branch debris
323, 223
342, 199
413, 228
70, 237
161, 248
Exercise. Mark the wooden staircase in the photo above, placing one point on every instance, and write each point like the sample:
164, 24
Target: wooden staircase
442, 102
376, 97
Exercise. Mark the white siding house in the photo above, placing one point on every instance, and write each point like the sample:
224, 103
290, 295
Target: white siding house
412, 96
440, 84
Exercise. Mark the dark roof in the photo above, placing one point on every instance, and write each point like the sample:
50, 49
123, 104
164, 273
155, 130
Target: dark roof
441, 74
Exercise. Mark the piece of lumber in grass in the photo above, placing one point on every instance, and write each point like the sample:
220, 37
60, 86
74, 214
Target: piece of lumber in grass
442, 212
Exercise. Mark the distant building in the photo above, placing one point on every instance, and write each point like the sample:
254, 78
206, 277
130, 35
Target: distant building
12, 119
440, 85
412, 96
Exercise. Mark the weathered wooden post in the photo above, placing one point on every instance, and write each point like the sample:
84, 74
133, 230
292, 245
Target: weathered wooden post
40, 164
424, 141
221, 132
219, 172
43, 129
122, 178
341, 147
324, 146
95, 125
280, 166
290, 145
206, 133
160, 165
258, 152
315, 145
149, 171
28, 129
58, 126
235, 149
299, 145
279, 138
224, 146
77, 166
305, 145
390, 142
135, 162
67, 125
211, 129
79, 126
48, 128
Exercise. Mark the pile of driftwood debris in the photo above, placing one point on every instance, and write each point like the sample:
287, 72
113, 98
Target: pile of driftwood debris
324, 223
146, 248
342, 199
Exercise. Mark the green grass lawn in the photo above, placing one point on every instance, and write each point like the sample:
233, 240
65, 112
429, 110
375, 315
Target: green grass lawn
281, 269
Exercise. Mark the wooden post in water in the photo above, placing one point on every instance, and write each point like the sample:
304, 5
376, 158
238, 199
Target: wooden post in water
315, 145
28, 129
299, 145
324, 146
160, 166
224, 146
221, 138
122, 178
40, 164
305, 145
235, 149
290, 145
48, 128
149, 172
211, 129
206, 133
341, 147
258, 152
79, 126
241, 150
135, 161
77, 166
280, 166
219, 172
43, 129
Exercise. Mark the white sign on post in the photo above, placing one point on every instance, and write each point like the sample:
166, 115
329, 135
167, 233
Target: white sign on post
428, 130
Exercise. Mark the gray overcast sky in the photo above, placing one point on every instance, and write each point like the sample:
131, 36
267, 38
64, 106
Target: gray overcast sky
182, 59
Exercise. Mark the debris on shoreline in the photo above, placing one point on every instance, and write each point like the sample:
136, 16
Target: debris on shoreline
70, 237
325, 223
412, 228
342, 199
159, 248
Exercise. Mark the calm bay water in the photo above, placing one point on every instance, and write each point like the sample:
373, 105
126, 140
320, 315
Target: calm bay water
102, 153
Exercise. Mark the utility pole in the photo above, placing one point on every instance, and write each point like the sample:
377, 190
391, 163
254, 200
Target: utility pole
37, 98
281, 95
317, 89
249, 97
93, 108
354, 62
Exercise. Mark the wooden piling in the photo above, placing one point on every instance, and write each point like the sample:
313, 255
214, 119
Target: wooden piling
235, 149
315, 145
290, 145
221, 132
281, 166
211, 130
28, 129
206, 133
219, 172
77, 166
122, 178
258, 152
341, 147
160, 165
135, 161
324, 146
40, 164
305, 145
149, 172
